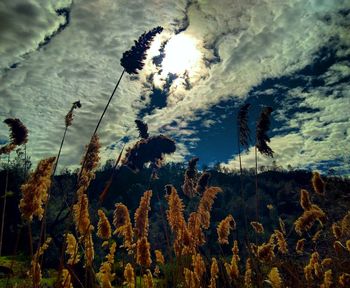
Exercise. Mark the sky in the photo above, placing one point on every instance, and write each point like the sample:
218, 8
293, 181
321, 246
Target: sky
212, 57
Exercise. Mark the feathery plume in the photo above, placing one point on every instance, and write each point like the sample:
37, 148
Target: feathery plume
243, 128
232, 269
18, 135
105, 275
72, 249
308, 218
205, 205
309, 269
305, 201
224, 228
198, 265
88, 249
148, 279
190, 177
35, 190
257, 226
89, 164
175, 215
129, 276
202, 183
281, 242
262, 126
104, 230
81, 215
299, 247
327, 279
143, 254
265, 252
194, 226
69, 117
214, 271
65, 280
122, 224
191, 279
132, 59
274, 278
347, 244
248, 283
141, 215
35, 269
143, 129
147, 150
326, 262
338, 247
282, 225
344, 280
317, 183
159, 257
345, 226
336, 229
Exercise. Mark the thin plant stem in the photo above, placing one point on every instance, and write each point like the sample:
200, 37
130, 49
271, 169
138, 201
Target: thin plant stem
4, 204
100, 120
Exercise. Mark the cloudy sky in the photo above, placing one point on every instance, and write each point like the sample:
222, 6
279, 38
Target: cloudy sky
292, 55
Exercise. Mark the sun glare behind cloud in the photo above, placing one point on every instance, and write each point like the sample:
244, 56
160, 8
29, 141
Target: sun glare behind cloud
181, 54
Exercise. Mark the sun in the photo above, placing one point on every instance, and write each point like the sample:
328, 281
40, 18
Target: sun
181, 55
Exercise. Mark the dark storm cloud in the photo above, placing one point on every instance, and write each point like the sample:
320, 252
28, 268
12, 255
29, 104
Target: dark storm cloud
25, 25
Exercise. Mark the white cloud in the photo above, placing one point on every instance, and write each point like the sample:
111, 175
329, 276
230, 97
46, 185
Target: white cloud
254, 40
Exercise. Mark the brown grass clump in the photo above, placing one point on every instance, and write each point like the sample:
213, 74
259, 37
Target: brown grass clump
65, 279
81, 215
317, 183
148, 279
274, 278
344, 280
308, 218
345, 226
105, 275
248, 282
205, 205
148, 150
258, 227
190, 178
35, 268
104, 230
224, 228
281, 242
141, 215
18, 135
336, 230
35, 190
122, 224
89, 163
305, 201
69, 117
143, 253
265, 252
299, 248
262, 126
202, 183
327, 280
159, 257
72, 249
129, 276
214, 271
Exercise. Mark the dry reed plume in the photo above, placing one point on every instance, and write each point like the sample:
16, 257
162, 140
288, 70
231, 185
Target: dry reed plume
243, 128
105, 275
35, 190
224, 228
202, 183
317, 183
206, 204
141, 215
190, 178
122, 224
18, 135
129, 276
262, 126
104, 230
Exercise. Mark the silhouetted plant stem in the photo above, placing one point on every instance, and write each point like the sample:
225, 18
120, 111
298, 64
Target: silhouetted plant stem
4, 203
100, 120
256, 185
30, 239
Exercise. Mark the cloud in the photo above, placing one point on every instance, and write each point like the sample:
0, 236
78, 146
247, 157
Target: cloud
243, 43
